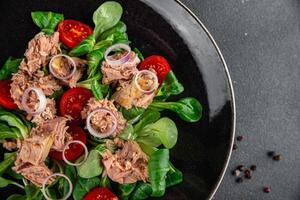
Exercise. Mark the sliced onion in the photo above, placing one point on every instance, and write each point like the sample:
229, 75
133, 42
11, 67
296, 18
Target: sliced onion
124, 59
86, 152
96, 133
138, 85
56, 75
41, 97
53, 175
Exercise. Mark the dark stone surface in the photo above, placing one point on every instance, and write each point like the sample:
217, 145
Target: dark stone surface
260, 41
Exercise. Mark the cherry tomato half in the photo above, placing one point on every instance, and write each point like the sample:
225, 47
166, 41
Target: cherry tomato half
159, 64
75, 150
72, 32
5, 98
100, 193
73, 101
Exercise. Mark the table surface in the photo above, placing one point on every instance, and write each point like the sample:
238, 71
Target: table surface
260, 40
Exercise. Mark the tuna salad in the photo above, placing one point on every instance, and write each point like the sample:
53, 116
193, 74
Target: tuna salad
80, 113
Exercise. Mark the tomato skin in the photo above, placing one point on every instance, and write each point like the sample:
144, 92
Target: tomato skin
72, 32
75, 150
5, 97
73, 101
159, 64
100, 193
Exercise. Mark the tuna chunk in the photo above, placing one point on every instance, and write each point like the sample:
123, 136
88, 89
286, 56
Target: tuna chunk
101, 122
35, 173
35, 148
21, 81
124, 72
80, 65
57, 128
129, 164
40, 50
48, 114
127, 95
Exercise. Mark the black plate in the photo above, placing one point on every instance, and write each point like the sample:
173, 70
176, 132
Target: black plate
167, 28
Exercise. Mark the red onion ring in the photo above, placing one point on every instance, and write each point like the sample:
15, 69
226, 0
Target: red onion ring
61, 175
96, 133
41, 97
86, 152
124, 59
146, 72
56, 75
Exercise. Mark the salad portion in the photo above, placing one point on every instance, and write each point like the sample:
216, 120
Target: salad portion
80, 113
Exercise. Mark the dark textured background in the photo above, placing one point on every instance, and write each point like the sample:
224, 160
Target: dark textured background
260, 40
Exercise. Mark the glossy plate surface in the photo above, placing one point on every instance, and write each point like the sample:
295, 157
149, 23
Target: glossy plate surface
167, 28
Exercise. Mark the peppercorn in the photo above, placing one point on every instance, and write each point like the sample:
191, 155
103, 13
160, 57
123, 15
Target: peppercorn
239, 138
267, 189
236, 172
239, 180
271, 153
234, 147
247, 174
277, 157
253, 167
241, 168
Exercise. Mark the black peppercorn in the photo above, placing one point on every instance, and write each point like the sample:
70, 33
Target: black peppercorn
239, 180
239, 138
241, 168
253, 167
234, 147
271, 153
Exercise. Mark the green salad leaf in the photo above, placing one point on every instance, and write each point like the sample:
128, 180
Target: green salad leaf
33, 192
8, 161
105, 182
120, 27
139, 53
106, 16
10, 66
189, 109
7, 132
132, 113
163, 131
158, 168
70, 172
94, 59
16, 124
46, 21
17, 197
126, 190
147, 117
142, 191
83, 186
174, 176
99, 90
84, 47
170, 86
92, 167
128, 133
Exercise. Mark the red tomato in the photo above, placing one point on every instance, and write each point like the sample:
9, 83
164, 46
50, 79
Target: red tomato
159, 64
72, 32
75, 150
5, 98
73, 101
100, 193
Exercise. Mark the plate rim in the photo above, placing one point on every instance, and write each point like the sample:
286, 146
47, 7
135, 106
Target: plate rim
229, 153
